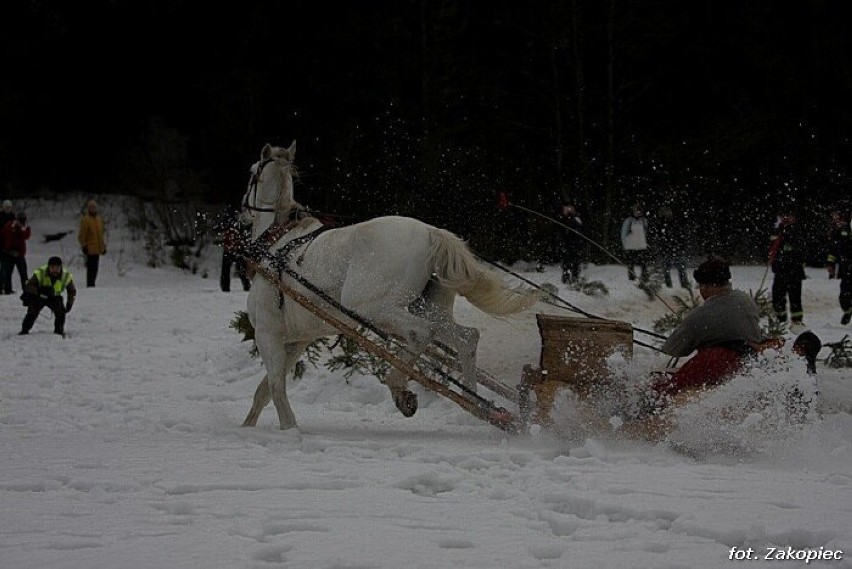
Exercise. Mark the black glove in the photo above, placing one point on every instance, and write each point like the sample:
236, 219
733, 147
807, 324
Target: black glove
85, 250
68, 306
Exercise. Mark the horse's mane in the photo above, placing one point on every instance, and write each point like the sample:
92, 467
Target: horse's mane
278, 153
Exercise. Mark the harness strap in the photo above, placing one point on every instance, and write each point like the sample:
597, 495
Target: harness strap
255, 250
280, 260
284, 252
258, 249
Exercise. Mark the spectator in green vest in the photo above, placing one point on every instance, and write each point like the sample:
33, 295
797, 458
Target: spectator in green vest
45, 288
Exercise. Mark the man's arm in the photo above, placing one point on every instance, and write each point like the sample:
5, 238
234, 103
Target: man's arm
72, 294
683, 340
82, 236
32, 286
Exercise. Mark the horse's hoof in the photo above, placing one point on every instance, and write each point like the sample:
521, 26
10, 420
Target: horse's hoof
406, 402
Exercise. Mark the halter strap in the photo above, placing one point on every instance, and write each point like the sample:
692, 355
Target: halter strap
255, 177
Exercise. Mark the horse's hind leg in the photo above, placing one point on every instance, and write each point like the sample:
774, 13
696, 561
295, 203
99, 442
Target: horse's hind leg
261, 400
464, 340
437, 307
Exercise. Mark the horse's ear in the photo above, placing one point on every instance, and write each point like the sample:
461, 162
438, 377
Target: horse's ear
291, 152
266, 153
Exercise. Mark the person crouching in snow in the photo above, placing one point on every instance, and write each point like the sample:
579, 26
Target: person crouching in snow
724, 331
45, 288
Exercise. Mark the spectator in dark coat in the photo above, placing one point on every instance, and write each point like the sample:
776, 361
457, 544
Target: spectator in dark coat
6, 264
571, 246
6, 212
840, 264
233, 231
670, 246
787, 255
13, 237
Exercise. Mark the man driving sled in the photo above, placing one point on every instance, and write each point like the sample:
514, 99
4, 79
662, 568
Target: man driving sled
725, 330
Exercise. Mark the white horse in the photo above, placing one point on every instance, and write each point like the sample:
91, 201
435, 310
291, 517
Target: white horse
377, 268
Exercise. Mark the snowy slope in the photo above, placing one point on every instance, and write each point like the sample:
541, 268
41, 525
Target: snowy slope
122, 447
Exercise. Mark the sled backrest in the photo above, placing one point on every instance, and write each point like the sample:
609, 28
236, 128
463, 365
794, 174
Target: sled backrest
574, 354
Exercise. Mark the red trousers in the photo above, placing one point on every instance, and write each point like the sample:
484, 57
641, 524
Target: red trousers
710, 366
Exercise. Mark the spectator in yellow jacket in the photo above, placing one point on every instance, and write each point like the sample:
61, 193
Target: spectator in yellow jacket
93, 240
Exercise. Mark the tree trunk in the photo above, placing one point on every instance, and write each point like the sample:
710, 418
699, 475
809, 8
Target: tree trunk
582, 175
609, 166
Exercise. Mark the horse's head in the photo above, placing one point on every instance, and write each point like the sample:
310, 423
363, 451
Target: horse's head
269, 196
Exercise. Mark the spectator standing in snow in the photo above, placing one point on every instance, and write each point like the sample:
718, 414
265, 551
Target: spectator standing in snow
92, 240
234, 231
724, 330
13, 241
6, 213
634, 239
787, 258
670, 246
45, 288
836, 225
840, 263
571, 243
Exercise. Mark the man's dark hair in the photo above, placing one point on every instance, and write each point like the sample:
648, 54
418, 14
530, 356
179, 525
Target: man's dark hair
713, 271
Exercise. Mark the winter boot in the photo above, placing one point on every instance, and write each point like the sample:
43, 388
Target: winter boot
847, 317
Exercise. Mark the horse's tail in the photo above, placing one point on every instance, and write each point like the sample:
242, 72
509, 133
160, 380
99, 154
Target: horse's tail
458, 269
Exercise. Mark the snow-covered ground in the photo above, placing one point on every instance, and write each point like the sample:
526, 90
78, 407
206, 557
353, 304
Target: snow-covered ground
122, 447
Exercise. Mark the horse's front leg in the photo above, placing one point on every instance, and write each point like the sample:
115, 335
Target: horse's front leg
261, 400
283, 363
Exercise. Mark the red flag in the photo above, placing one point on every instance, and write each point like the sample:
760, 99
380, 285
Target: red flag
502, 200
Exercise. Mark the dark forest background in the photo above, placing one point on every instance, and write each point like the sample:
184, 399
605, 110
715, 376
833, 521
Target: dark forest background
720, 109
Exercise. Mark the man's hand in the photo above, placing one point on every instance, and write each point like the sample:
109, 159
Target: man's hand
831, 273
68, 306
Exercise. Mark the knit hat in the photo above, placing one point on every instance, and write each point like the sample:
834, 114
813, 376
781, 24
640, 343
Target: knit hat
7, 203
713, 272
54, 261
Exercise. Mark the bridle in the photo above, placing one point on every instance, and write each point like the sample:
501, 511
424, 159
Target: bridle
250, 199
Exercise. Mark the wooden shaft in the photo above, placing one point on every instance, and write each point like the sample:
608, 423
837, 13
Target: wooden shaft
482, 377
